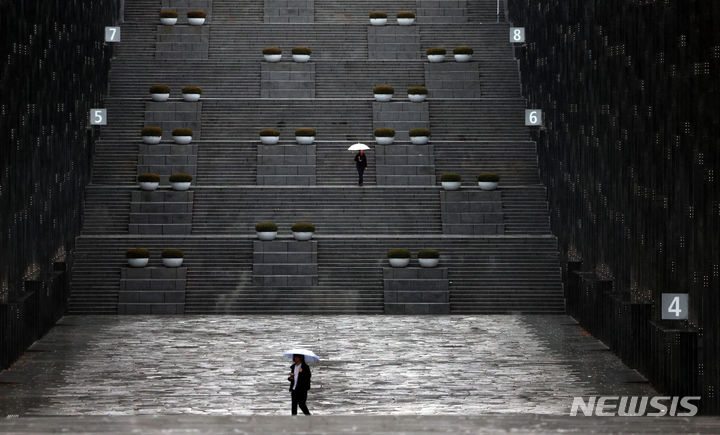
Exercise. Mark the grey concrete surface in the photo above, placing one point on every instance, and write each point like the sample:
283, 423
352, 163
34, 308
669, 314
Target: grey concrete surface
498, 423
371, 365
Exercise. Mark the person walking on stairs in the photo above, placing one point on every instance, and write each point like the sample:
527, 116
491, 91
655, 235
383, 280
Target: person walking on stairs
361, 165
299, 384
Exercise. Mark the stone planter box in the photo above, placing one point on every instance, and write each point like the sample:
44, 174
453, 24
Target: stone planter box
182, 140
181, 185
302, 235
399, 262
172, 262
149, 185
419, 140
487, 185
428, 262
151, 140
384, 140
451, 185
305, 140
138, 262
160, 97
266, 235
269, 140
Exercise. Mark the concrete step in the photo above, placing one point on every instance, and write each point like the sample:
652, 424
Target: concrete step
219, 271
357, 12
481, 11
237, 11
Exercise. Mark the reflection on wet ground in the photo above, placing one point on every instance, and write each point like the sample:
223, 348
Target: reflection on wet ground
217, 365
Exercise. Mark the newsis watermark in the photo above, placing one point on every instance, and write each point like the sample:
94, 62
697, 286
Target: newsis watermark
635, 406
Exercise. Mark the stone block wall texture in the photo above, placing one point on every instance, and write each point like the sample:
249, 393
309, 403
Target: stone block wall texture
289, 11
630, 155
472, 212
44, 140
159, 212
287, 80
416, 290
452, 79
285, 263
152, 290
182, 42
183, 6
286, 165
393, 42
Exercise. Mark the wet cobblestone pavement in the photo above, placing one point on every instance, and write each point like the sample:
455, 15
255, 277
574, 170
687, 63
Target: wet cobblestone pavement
227, 365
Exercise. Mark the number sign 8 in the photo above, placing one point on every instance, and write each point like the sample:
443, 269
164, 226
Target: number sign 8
517, 35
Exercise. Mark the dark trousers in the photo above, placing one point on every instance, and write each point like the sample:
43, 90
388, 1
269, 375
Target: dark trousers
361, 170
298, 399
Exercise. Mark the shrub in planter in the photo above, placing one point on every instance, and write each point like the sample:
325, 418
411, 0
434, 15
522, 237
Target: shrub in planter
383, 92
301, 54
488, 180
303, 230
168, 17
266, 230
398, 257
269, 136
428, 257
191, 93
272, 54
152, 135
419, 136
137, 257
384, 136
172, 257
305, 136
378, 18
272, 50
435, 54
160, 92
417, 94
450, 181
182, 136
302, 50
196, 17
405, 18
180, 181
462, 53
148, 181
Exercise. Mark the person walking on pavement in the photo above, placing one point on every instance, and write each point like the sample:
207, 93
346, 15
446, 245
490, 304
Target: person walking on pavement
361, 164
299, 384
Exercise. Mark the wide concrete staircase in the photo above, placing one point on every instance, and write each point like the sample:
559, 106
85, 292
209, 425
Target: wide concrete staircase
515, 271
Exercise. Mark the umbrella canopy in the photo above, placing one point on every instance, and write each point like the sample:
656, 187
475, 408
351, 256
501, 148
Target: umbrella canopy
358, 146
310, 356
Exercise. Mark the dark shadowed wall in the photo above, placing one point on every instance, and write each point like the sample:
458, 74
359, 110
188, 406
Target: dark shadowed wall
54, 69
630, 153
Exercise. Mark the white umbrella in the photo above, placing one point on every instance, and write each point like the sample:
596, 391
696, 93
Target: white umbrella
310, 356
358, 146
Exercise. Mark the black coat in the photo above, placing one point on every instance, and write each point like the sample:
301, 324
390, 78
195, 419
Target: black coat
303, 378
361, 160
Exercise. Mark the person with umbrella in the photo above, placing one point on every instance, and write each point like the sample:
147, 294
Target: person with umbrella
300, 378
360, 160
